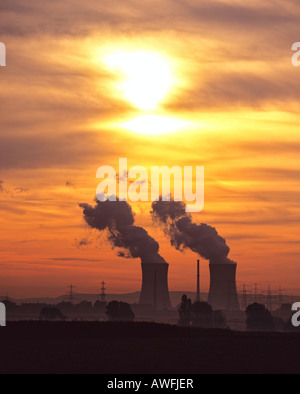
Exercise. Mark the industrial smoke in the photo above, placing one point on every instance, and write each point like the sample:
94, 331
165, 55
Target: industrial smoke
207, 243
130, 241
184, 234
118, 219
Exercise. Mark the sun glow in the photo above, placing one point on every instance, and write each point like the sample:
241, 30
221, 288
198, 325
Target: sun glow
154, 124
145, 77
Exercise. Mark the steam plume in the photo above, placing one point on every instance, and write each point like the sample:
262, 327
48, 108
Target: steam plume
117, 218
184, 234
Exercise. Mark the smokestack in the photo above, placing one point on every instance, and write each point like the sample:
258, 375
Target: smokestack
130, 241
198, 281
222, 290
207, 243
155, 286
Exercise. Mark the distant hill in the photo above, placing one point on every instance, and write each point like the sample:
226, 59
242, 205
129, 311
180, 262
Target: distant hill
131, 298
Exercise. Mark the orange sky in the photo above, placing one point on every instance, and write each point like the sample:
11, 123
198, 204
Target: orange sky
231, 105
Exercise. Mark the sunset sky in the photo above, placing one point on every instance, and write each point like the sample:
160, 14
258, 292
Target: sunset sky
207, 83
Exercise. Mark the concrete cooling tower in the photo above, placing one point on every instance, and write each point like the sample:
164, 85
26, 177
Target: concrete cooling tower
155, 285
222, 291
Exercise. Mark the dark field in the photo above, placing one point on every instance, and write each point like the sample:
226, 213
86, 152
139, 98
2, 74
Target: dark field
142, 348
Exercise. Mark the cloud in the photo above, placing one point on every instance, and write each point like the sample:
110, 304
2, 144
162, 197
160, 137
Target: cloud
51, 150
20, 189
80, 243
70, 185
229, 90
227, 63
75, 259
77, 17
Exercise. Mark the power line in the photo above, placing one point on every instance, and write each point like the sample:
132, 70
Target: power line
269, 298
103, 294
71, 293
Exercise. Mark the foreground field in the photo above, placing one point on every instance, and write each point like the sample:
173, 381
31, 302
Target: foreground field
123, 348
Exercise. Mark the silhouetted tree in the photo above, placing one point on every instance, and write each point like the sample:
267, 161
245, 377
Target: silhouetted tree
219, 320
288, 326
99, 306
279, 323
286, 308
259, 318
10, 306
119, 311
282, 317
202, 314
185, 311
65, 306
51, 313
33, 308
84, 307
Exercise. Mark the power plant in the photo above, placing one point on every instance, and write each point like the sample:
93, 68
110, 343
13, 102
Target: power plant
130, 241
204, 240
222, 291
155, 286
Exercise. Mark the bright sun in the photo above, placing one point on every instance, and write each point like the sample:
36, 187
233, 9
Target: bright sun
145, 77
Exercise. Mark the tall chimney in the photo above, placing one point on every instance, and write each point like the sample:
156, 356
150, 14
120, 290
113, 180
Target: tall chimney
222, 291
155, 285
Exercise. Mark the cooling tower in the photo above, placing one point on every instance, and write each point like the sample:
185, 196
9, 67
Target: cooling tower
222, 291
155, 285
